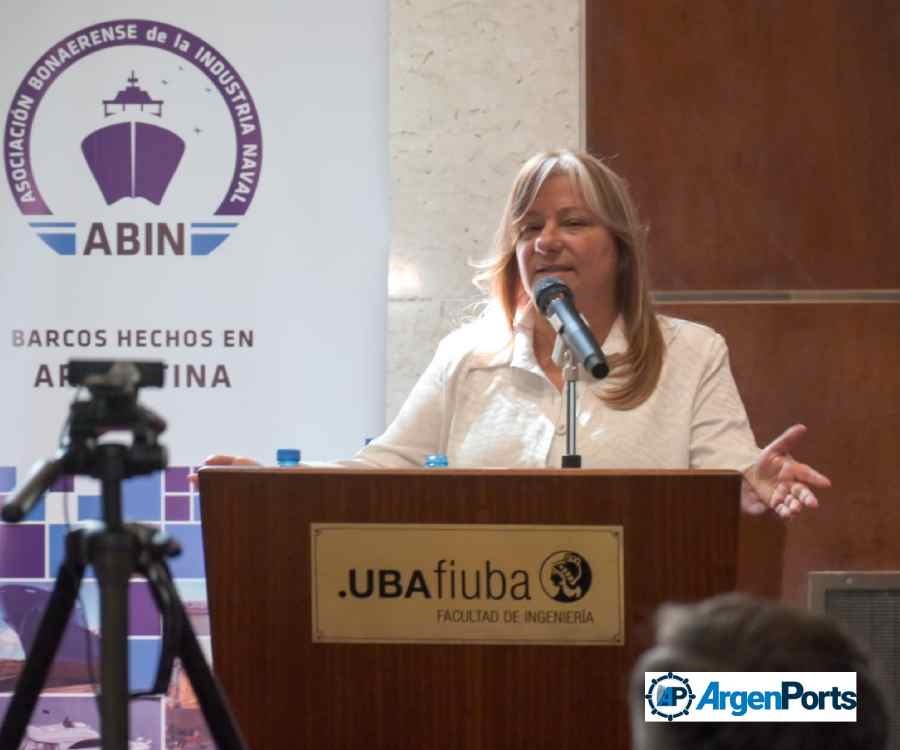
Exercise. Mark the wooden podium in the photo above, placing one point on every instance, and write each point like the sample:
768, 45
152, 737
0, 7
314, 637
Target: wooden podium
681, 534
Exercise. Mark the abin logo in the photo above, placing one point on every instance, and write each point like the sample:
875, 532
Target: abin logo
151, 147
670, 696
566, 576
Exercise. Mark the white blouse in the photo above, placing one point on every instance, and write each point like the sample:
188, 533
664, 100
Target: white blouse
485, 402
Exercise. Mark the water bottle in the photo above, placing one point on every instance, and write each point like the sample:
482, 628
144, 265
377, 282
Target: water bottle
287, 457
436, 461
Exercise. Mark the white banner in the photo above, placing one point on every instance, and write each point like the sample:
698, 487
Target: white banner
208, 188
200, 183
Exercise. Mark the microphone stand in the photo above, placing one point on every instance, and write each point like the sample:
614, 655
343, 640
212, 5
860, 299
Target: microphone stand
571, 459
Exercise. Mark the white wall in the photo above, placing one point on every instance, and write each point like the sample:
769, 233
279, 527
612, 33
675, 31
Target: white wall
476, 88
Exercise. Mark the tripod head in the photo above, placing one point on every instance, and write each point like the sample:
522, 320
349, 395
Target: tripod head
111, 406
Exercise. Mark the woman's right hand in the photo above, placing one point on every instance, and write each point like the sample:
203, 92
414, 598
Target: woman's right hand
224, 459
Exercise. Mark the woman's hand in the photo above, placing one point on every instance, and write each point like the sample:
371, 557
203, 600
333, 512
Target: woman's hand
224, 459
778, 481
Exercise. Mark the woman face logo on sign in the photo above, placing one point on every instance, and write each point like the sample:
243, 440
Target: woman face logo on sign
566, 576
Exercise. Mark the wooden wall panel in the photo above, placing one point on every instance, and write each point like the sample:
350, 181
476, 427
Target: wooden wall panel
762, 140
762, 137
833, 367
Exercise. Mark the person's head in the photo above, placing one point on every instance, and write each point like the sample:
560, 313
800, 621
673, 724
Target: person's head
739, 633
592, 192
569, 215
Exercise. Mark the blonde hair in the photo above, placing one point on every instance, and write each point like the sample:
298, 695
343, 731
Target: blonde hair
607, 195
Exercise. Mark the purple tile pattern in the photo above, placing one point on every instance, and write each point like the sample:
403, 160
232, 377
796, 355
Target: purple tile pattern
22, 551
7, 478
178, 507
141, 500
143, 617
63, 484
177, 479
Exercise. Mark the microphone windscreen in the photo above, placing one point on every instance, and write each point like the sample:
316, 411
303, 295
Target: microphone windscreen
546, 290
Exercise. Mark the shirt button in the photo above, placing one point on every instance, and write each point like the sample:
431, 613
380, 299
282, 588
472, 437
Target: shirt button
560, 429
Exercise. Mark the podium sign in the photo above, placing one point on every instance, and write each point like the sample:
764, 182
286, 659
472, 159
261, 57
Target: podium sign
469, 583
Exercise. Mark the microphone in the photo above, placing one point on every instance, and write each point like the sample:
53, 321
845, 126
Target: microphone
557, 303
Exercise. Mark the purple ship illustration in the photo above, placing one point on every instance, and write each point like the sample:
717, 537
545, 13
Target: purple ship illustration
133, 159
22, 606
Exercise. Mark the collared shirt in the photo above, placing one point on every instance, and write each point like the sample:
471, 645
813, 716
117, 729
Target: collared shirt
484, 401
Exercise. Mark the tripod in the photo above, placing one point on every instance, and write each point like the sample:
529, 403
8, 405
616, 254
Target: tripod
117, 551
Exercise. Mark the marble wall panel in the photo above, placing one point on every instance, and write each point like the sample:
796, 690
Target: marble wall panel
475, 89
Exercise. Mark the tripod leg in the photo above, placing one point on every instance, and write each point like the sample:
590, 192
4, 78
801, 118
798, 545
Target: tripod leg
212, 701
219, 718
43, 650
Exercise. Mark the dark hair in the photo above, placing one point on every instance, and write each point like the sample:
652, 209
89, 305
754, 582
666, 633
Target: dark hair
739, 633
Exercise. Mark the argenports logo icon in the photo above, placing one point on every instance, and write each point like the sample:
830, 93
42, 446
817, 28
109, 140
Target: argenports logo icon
670, 696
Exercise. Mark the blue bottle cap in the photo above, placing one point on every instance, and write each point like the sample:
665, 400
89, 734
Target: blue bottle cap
436, 460
287, 456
